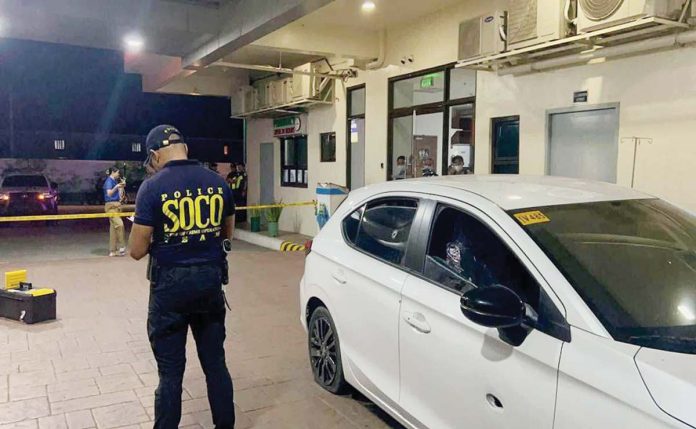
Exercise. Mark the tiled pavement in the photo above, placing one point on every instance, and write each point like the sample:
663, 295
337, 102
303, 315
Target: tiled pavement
94, 367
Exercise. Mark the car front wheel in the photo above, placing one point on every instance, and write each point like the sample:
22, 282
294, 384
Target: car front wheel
325, 352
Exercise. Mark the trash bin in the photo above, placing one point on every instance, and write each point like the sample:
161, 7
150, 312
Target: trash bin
329, 197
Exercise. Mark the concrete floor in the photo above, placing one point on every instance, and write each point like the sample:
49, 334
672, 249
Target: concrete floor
94, 368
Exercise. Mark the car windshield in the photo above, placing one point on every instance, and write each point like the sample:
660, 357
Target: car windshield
633, 262
24, 181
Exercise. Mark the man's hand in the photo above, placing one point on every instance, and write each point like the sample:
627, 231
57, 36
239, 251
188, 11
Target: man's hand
139, 241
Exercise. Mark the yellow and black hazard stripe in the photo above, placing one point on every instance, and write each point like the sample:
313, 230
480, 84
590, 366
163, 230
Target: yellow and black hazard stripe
289, 246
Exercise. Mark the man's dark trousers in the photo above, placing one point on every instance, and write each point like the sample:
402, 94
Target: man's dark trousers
182, 297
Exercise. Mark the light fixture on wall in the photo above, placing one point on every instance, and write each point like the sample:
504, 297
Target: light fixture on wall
133, 43
368, 6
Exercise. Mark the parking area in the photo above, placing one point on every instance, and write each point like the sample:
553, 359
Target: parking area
93, 367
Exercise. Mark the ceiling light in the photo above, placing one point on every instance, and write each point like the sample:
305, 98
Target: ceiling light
133, 43
368, 6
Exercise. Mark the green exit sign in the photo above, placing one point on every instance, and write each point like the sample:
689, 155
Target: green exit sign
427, 82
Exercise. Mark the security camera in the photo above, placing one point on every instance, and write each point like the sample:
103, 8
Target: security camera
403, 61
410, 59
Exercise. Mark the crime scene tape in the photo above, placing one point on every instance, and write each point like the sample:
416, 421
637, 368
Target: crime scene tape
289, 246
129, 214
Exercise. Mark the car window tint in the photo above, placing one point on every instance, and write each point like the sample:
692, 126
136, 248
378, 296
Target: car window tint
464, 253
351, 224
385, 227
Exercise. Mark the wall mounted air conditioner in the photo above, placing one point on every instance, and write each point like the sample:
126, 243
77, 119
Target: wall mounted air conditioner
304, 86
597, 14
277, 93
531, 22
244, 100
482, 36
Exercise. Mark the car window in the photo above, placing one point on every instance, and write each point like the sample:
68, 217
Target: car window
382, 228
25, 181
464, 253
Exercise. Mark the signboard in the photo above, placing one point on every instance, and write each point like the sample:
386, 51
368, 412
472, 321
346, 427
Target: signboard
427, 82
289, 126
354, 136
580, 97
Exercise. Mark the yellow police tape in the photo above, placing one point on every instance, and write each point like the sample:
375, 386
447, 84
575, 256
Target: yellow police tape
129, 214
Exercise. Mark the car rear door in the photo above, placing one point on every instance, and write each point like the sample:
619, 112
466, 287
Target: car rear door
367, 275
455, 373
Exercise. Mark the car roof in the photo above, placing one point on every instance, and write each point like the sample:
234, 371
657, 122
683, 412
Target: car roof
512, 192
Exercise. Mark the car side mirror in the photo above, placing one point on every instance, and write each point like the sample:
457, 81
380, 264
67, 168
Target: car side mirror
493, 307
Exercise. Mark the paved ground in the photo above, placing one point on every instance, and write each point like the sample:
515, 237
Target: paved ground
94, 368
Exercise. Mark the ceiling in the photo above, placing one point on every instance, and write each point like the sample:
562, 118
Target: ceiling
388, 13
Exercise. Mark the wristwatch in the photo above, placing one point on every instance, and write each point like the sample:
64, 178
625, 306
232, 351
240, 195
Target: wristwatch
227, 245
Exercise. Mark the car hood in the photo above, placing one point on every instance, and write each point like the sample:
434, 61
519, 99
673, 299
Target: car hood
23, 189
671, 379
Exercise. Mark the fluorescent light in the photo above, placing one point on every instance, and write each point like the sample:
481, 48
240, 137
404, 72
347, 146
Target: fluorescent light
368, 6
133, 43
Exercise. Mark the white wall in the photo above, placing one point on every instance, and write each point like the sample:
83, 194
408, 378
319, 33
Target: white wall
319, 120
657, 97
656, 93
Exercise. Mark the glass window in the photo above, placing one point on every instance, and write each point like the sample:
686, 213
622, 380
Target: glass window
402, 148
357, 102
460, 153
328, 147
463, 253
426, 89
462, 83
351, 224
633, 262
294, 161
384, 228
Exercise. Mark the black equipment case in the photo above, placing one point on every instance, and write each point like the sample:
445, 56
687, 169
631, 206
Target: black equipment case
27, 308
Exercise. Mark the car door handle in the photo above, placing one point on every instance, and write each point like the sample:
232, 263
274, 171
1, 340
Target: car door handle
418, 322
339, 277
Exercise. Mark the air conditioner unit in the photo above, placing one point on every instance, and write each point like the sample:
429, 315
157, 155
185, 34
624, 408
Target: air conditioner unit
277, 93
304, 86
598, 14
244, 100
482, 36
531, 22
287, 90
264, 98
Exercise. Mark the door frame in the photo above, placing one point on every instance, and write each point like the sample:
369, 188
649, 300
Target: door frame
494, 139
349, 119
575, 109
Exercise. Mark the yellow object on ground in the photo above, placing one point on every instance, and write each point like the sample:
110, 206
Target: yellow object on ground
289, 246
40, 292
13, 278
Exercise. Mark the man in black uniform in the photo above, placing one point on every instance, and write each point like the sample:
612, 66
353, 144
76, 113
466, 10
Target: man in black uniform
184, 218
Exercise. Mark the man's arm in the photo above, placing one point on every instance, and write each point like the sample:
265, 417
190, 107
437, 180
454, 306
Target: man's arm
229, 227
139, 241
113, 190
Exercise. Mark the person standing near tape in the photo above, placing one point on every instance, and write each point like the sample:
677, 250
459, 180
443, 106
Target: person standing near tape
114, 188
184, 219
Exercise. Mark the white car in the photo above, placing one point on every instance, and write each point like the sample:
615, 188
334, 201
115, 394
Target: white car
507, 302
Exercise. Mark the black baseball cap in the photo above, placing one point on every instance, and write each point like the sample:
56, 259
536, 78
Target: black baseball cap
159, 137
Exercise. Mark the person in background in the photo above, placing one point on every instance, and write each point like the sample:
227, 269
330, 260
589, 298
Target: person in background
240, 191
400, 168
428, 170
213, 167
114, 189
457, 166
232, 174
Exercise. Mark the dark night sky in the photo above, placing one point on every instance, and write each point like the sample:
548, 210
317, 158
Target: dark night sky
73, 89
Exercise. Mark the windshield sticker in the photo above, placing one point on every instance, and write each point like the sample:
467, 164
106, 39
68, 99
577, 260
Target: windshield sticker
531, 218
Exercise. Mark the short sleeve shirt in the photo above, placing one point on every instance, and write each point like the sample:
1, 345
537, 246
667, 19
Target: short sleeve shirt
187, 205
110, 183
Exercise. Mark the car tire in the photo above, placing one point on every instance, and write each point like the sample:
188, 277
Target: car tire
325, 352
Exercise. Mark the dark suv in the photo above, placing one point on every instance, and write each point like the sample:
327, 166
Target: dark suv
27, 194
